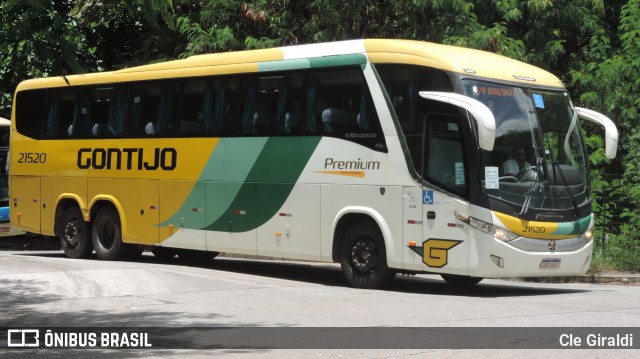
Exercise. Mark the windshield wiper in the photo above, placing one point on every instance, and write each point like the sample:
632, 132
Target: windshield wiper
556, 166
537, 187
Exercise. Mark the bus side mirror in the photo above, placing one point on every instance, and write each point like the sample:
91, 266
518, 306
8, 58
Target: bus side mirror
610, 130
481, 113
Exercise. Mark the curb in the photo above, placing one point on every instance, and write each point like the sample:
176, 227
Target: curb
597, 278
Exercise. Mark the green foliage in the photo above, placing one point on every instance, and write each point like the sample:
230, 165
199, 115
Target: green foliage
39, 39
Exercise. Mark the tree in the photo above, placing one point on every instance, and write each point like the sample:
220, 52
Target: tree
53, 46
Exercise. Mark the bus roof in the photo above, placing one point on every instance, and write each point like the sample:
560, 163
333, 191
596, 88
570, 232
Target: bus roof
450, 58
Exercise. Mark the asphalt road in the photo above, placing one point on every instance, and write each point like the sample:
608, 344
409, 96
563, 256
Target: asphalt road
46, 289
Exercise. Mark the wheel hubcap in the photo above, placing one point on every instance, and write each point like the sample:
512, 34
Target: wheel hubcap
72, 233
364, 255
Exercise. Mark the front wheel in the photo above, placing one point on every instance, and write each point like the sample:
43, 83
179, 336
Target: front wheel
363, 257
74, 234
461, 280
107, 236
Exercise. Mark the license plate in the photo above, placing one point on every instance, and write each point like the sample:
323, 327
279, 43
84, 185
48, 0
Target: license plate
550, 263
4, 229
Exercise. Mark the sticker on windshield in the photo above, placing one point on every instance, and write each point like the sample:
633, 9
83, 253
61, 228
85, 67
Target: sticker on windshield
538, 100
491, 178
459, 173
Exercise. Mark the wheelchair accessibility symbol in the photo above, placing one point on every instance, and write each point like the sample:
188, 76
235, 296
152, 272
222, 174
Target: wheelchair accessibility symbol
427, 197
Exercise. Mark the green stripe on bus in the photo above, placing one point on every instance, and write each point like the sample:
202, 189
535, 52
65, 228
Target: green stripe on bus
577, 227
231, 161
282, 65
340, 60
268, 185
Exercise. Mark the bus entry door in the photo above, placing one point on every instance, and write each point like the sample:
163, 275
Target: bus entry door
446, 244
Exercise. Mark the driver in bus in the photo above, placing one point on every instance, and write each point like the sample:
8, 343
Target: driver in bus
516, 163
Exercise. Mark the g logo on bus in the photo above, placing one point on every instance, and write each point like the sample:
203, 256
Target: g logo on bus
435, 252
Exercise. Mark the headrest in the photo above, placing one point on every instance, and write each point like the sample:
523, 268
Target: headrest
336, 115
263, 118
291, 119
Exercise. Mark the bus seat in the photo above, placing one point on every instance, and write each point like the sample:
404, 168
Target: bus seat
291, 122
150, 129
101, 130
337, 120
263, 123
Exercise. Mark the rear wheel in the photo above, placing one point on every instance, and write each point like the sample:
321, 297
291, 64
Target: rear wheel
363, 257
461, 280
107, 236
74, 234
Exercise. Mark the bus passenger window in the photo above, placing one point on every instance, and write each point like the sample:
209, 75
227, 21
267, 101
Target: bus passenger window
220, 113
289, 105
194, 105
339, 104
30, 110
271, 105
153, 109
62, 113
103, 111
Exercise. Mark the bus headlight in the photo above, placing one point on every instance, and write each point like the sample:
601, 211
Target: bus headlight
497, 232
587, 236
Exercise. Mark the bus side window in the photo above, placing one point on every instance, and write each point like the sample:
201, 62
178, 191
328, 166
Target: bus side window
153, 109
62, 113
104, 110
289, 105
339, 104
271, 105
30, 110
223, 98
195, 104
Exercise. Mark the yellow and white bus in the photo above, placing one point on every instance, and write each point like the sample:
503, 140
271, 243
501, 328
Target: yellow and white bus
384, 155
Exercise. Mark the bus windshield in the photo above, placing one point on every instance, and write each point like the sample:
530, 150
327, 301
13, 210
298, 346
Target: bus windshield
538, 152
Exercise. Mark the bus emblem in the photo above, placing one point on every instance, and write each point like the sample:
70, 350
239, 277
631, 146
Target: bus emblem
435, 252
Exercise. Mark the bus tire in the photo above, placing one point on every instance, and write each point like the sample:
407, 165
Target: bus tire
74, 235
363, 256
461, 280
107, 236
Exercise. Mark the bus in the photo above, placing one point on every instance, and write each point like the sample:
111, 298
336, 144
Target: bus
382, 155
5, 228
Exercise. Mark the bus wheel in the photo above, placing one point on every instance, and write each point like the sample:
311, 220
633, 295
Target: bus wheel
107, 236
363, 256
460, 280
74, 234
164, 253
